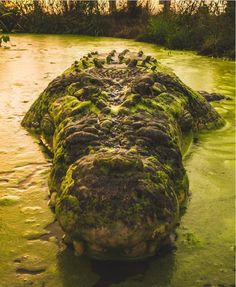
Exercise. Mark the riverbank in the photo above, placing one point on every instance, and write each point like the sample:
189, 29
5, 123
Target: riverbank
207, 30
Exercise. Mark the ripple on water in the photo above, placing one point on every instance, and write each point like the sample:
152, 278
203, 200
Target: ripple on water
31, 209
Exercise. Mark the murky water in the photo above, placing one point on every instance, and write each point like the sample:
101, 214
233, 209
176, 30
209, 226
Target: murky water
205, 245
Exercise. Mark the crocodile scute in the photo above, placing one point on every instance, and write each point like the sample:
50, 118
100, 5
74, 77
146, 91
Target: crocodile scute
115, 126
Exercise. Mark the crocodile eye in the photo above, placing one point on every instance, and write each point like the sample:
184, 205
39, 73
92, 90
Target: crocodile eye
186, 121
47, 125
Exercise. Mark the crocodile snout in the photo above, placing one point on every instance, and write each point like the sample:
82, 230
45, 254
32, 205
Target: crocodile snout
123, 203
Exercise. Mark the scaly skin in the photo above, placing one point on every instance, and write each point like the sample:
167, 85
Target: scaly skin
115, 125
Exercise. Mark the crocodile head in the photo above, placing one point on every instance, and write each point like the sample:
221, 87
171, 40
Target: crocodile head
114, 124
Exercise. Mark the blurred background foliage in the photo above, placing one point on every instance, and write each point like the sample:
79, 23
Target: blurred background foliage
207, 26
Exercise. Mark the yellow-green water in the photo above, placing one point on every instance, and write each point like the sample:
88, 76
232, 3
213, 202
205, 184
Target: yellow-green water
205, 245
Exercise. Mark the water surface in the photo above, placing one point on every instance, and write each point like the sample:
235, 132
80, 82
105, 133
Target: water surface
205, 247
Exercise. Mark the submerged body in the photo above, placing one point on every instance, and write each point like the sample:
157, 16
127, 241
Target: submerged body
115, 125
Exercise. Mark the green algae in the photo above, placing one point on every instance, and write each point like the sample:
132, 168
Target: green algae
9, 200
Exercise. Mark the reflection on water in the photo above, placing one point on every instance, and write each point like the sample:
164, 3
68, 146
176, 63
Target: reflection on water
204, 254
74, 270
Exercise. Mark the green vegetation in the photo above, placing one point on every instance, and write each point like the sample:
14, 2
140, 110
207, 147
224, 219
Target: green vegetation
4, 39
195, 25
8, 17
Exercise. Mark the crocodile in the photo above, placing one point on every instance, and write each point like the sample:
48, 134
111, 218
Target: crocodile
116, 126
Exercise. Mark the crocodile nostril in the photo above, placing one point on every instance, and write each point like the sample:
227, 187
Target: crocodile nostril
118, 164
